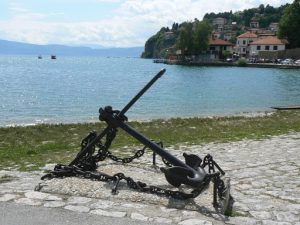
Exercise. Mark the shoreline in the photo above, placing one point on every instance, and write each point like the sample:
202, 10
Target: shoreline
225, 64
249, 114
26, 148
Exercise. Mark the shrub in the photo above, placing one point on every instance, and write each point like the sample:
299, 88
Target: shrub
242, 62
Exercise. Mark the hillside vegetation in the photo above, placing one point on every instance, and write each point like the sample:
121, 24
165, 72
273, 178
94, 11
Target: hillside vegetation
167, 40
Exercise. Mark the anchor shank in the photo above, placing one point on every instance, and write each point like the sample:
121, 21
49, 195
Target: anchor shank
135, 98
152, 145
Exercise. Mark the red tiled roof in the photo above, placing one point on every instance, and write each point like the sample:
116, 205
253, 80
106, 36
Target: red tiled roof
248, 35
217, 41
269, 40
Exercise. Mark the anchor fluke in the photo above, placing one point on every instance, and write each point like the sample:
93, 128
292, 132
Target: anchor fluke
192, 160
176, 175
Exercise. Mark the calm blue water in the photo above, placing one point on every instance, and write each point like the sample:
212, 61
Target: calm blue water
72, 89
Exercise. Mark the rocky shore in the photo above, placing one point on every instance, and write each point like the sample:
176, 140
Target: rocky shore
265, 185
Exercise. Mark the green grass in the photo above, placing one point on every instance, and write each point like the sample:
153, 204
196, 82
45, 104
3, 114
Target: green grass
28, 148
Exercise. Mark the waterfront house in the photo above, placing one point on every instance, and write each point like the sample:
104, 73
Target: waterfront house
243, 41
218, 46
268, 43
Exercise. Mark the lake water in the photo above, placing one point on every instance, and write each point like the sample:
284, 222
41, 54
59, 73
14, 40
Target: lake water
71, 89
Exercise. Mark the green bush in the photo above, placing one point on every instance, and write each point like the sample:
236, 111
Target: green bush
242, 62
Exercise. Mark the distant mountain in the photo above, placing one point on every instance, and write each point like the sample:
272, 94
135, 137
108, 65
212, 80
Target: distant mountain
19, 48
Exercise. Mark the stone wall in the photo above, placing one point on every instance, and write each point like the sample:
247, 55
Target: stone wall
288, 53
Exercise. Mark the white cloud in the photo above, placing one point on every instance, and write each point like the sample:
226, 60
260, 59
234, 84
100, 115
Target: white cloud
131, 25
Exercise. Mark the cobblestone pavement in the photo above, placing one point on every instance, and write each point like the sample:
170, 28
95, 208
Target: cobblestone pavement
265, 184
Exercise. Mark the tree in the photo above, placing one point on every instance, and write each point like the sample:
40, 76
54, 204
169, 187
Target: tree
185, 39
261, 8
202, 32
289, 25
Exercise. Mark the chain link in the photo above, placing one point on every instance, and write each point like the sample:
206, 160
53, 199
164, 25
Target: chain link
73, 171
88, 163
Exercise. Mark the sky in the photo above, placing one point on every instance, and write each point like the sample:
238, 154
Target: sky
105, 23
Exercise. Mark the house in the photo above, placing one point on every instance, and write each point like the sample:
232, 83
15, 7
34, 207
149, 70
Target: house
218, 46
254, 23
243, 41
268, 43
216, 34
274, 27
219, 23
229, 35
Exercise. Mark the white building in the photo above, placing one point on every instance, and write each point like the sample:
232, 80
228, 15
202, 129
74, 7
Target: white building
269, 43
243, 42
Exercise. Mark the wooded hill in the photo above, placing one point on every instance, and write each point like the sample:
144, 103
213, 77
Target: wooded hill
166, 40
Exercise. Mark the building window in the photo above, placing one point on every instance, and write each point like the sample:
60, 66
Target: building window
225, 47
267, 47
275, 47
258, 47
238, 42
244, 49
244, 42
212, 48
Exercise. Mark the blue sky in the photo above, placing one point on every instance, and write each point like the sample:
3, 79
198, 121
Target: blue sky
107, 23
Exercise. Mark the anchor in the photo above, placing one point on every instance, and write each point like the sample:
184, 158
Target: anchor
194, 172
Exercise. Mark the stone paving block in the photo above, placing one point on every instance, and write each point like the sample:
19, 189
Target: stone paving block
272, 222
195, 222
102, 204
108, 213
8, 197
54, 204
36, 195
167, 210
53, 198
28, 201
261, 215
79, 200
138, 216
76, 208
134, 205
162, 220
287, 216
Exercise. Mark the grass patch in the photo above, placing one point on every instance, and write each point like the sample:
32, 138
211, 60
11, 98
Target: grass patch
234, 214
41, 144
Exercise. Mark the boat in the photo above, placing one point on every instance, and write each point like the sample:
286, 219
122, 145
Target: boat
40, 57
53, 56
286, 107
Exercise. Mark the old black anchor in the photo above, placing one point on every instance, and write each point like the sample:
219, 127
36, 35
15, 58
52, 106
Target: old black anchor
193, 172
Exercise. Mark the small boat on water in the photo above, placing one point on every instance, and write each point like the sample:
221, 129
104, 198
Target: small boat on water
53, 56
286, 107
40, 57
